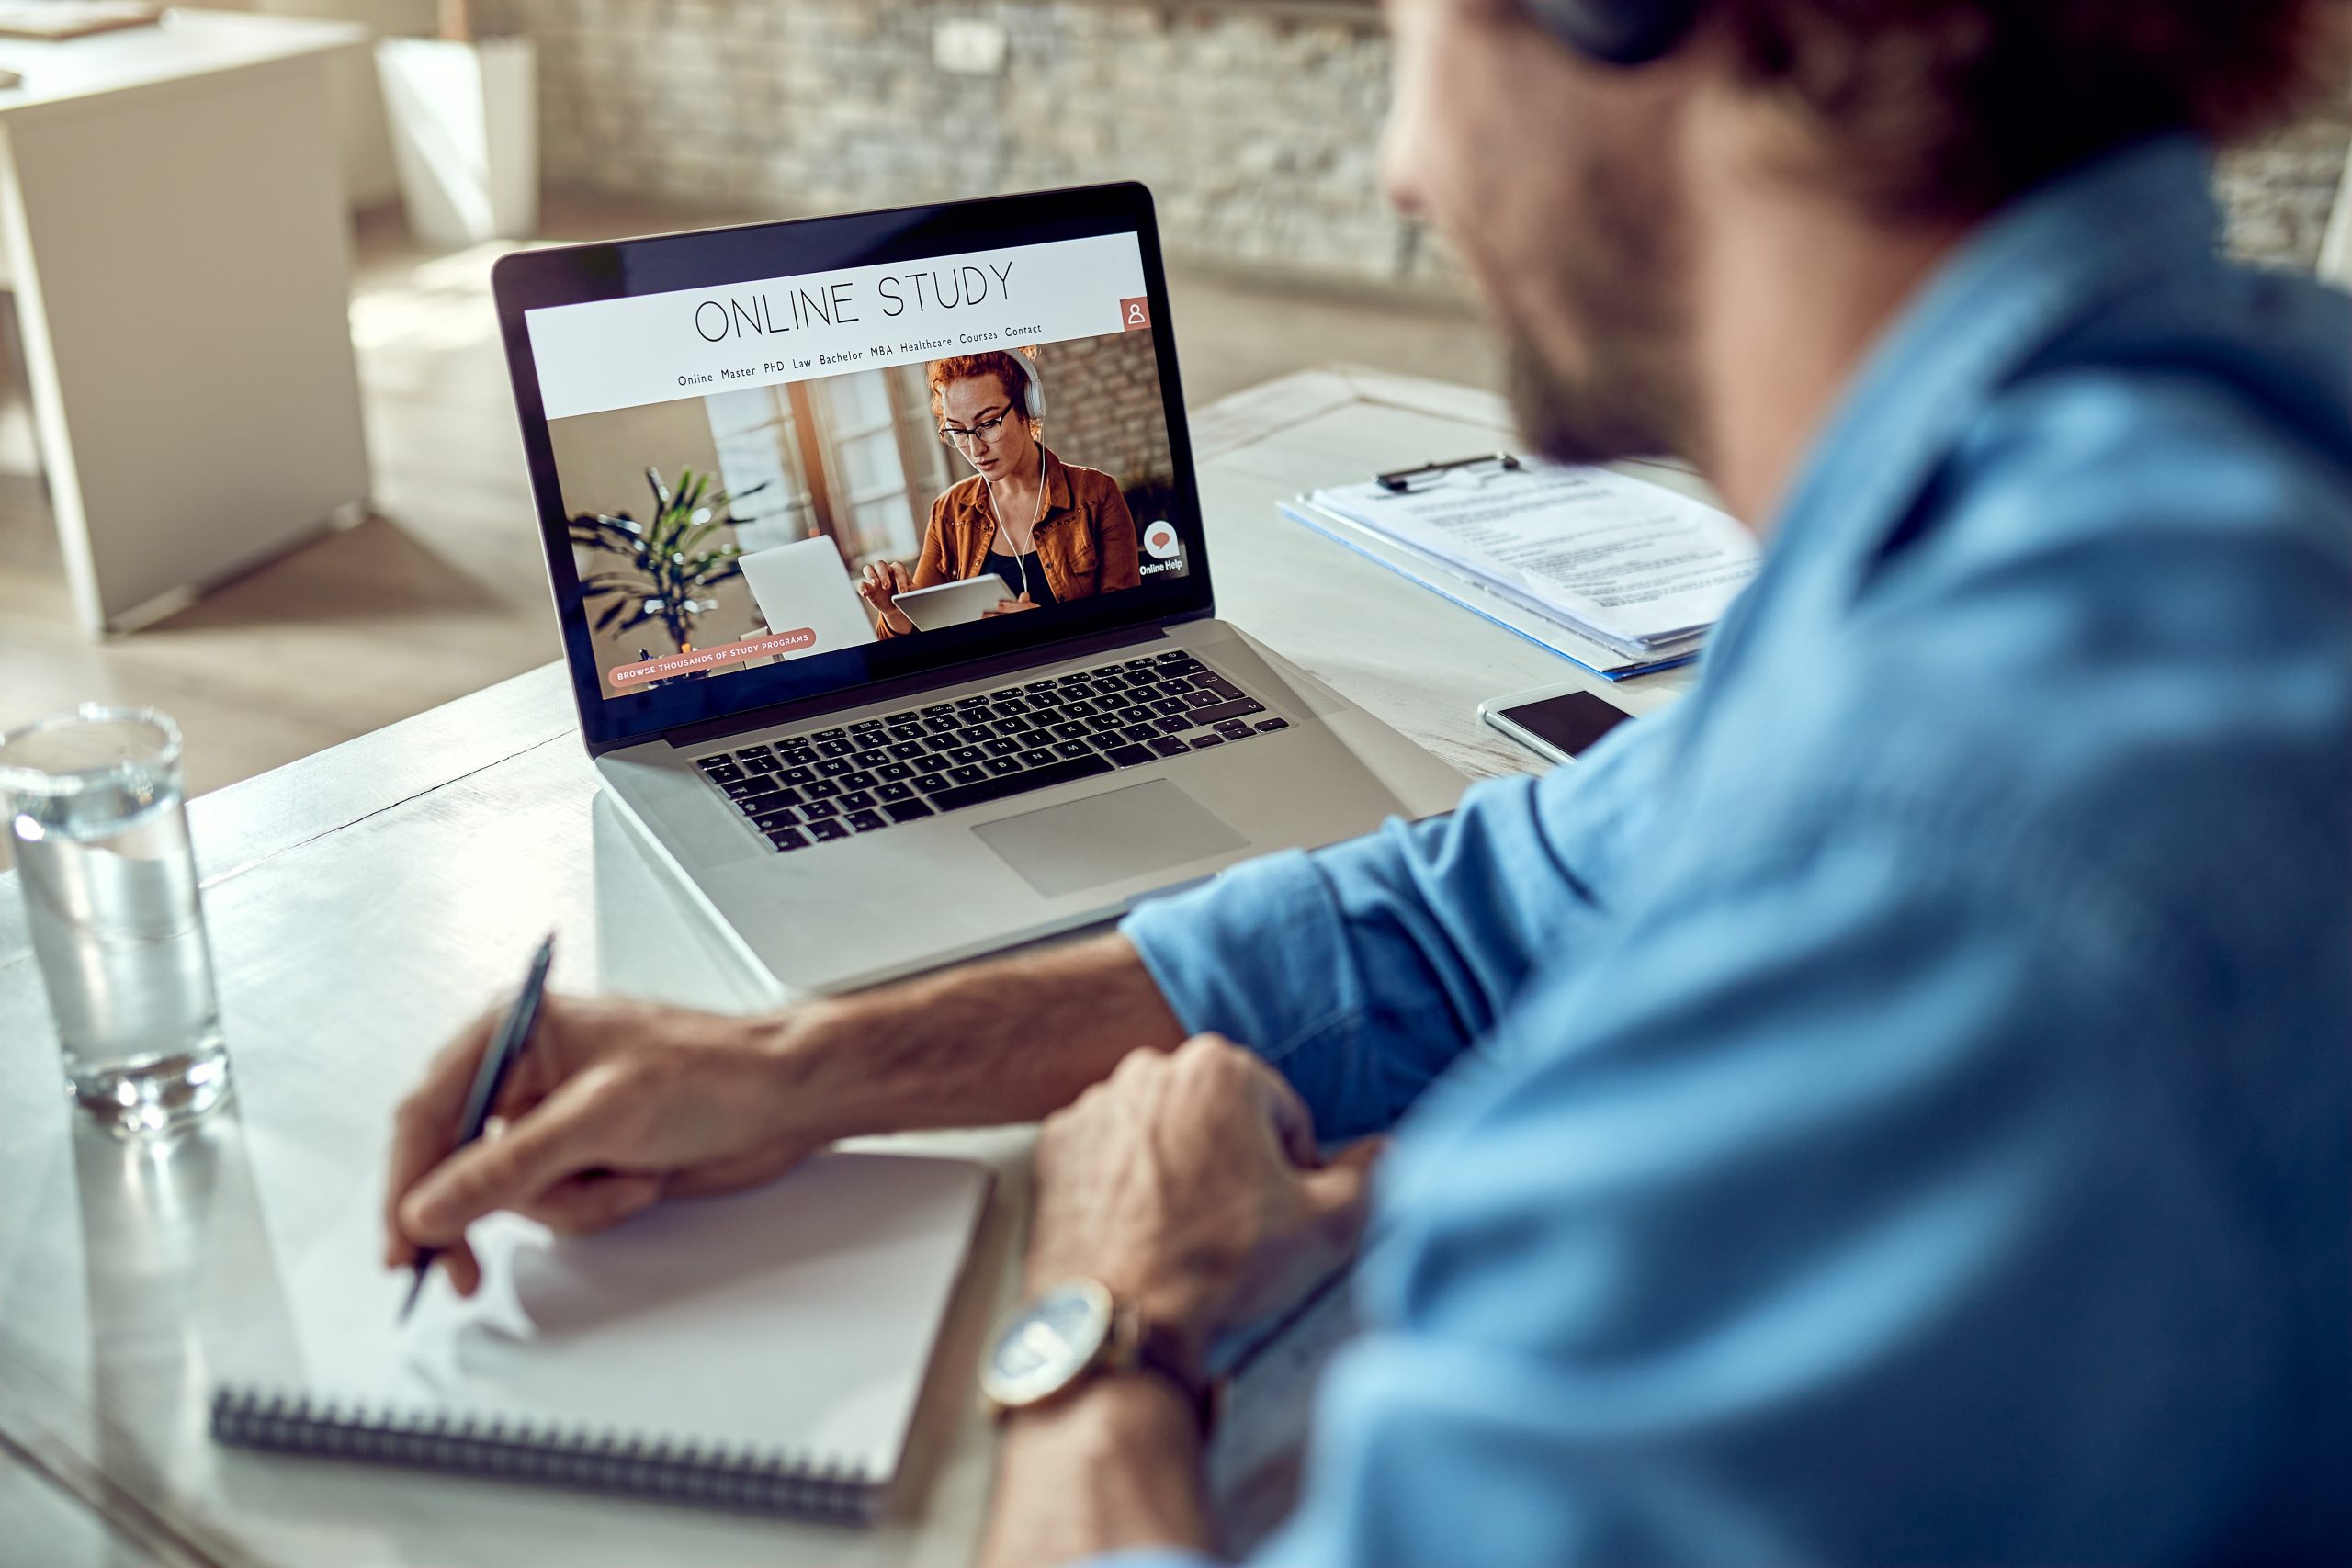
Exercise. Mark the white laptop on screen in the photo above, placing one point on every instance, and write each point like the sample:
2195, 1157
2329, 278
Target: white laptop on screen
803, 586
849, 795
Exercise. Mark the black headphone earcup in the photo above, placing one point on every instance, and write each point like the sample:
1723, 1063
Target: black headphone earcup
1617, 32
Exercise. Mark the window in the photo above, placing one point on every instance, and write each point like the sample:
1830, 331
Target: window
852, 456
870, 478
754, 432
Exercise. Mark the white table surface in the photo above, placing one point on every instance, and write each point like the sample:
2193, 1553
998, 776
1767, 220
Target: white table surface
184, 46
366, 902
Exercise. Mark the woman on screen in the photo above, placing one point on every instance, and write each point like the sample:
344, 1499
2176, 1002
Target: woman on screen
1053, 531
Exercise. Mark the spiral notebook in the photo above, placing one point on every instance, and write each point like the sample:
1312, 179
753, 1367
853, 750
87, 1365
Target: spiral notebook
760, 1351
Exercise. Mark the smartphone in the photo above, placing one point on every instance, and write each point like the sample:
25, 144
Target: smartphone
1557, 722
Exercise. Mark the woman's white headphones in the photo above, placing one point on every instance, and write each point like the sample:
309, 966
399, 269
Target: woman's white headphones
1034, 399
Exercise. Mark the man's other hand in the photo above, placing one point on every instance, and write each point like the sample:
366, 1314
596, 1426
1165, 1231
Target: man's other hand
612, 1107
1188, 1182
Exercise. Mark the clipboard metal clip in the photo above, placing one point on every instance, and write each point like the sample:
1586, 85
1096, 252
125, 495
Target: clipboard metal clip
1399, 480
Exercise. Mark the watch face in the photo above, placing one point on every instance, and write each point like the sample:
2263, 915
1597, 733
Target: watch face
1047, 1343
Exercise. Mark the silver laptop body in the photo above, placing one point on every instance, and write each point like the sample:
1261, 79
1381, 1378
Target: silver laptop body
1132, 745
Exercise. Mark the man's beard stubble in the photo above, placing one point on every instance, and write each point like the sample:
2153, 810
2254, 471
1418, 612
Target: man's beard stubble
1621, 283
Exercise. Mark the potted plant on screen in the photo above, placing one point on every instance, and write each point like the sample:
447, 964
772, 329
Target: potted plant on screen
463, 111
667, 564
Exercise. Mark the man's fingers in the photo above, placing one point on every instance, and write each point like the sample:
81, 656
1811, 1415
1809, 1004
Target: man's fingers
425, 1129
426, 1125
1238, 1079
1340, 1193
579, 1204
562, 1136
465, 1269
1294, 1123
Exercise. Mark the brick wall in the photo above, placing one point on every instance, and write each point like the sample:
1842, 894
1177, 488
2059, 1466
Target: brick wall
1256, 125
2279, 192
1102, 407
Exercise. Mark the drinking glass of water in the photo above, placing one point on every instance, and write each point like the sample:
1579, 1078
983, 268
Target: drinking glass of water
96, 824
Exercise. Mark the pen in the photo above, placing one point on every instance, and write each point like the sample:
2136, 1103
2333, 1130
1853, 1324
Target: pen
1398, 480
488, 1078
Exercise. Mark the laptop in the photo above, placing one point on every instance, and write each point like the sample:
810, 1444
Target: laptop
726, 428
804, 584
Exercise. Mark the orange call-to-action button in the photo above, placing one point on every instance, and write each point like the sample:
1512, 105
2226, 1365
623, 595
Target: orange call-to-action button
1135, 314
626, 675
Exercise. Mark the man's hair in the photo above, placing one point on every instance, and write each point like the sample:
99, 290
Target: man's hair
996, 362
1941, 108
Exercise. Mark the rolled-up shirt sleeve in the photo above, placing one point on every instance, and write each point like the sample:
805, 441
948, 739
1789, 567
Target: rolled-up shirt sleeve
1856, 1190
1362, 971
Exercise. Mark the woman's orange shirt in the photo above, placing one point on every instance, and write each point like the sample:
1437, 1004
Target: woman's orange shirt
1085, 542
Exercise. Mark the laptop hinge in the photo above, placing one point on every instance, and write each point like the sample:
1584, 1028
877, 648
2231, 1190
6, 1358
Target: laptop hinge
707, 729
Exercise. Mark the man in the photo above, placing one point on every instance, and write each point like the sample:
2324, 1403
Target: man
1892, 1106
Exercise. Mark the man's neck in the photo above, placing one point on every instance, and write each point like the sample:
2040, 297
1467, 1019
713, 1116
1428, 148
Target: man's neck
1791, 289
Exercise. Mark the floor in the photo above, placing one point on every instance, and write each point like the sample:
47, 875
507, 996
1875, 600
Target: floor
440, 591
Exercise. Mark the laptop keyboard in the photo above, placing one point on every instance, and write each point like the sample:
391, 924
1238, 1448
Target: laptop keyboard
826, 785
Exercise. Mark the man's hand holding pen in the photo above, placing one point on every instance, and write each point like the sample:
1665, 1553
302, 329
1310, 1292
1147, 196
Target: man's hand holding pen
615, 1106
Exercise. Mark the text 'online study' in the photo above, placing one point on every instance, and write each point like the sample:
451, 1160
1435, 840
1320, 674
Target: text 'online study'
775, 470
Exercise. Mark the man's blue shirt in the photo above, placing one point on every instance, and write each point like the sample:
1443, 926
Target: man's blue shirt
1894, 1106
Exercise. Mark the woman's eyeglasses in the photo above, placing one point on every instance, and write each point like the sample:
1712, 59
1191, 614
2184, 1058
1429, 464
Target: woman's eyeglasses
982, 430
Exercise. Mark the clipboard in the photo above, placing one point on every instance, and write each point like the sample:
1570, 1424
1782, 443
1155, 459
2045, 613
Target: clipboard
1553, 637
1382, 518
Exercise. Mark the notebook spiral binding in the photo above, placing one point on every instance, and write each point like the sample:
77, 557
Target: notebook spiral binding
744, 1480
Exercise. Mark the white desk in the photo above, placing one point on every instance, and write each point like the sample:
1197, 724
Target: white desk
366, 902
173, 225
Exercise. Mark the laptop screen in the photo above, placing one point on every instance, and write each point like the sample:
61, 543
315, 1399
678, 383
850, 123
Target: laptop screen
767, 487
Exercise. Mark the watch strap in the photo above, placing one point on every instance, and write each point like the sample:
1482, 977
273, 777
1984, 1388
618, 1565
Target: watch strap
1158, 1349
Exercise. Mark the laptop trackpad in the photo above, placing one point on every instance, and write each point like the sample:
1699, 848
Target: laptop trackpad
1108, 838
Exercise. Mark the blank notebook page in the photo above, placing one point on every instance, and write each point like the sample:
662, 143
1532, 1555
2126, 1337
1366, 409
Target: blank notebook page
795, 1319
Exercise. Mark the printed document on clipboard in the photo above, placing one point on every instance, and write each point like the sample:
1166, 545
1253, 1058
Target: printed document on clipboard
1620, 575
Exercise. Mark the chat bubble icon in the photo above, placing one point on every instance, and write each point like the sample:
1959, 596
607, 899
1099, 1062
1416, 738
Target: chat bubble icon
1160, 543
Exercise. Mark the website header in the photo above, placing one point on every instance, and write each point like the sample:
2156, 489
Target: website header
651, 348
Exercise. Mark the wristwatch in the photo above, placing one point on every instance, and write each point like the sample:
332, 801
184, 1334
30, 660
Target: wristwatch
1074, 1331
